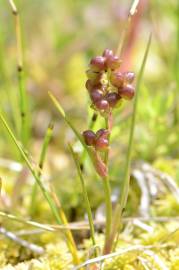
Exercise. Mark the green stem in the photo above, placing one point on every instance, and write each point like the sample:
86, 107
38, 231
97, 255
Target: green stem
107, 189
176, 68
108, 204
120, 207
76, 132
45, 145
22, 92
85, 194
125, 184
23, 108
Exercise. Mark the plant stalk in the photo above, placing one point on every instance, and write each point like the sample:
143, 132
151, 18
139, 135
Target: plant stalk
120, 207
85, 195
107, 189
47, 138
20, 68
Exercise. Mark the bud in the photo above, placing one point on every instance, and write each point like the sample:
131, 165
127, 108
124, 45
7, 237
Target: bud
102, 133
94, 76
96, 95
98, 63
102, 105
107, 53
90, 85
112, 98
117, 78
127, 91
113, 62
89, 137
129, 76
101, 144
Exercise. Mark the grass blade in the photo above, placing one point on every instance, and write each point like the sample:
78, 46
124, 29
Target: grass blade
69, 123
27, 222
23, 101
67, 120
85, 194
70, 240
33, 171
37, 178
125, 185
45, 144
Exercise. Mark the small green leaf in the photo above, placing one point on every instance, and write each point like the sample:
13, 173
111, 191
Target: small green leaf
69, 123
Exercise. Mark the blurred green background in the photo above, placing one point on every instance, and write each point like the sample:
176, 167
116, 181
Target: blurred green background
59, 38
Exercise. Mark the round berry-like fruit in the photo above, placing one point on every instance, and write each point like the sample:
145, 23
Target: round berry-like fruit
112, 98
98, 63
96, 95
127, 91
101, 144
113, 62
102, 105
102, 133
108, 53
129, 76
117, 78
90, 85
89, 137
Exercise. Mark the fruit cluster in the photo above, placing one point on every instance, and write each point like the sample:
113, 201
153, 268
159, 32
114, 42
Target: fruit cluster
106, 84
98, 140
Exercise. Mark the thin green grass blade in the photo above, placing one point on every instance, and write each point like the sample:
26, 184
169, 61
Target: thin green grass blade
67, 120
125, 185
117, 218
27, 222
46, 194
85, 194
69, 123
44, 227
33, 171
45, 144
176, 68
23, 99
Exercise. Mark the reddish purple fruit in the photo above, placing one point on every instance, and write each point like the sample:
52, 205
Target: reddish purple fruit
89, 137
112, 99
129, 76
102, 133
96, 95
90, 85
117, 78
98, 63
127, 91
113, 62
102, 105
108, 53
101, 144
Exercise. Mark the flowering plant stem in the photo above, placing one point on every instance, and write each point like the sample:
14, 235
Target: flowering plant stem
107, 189
120, 207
